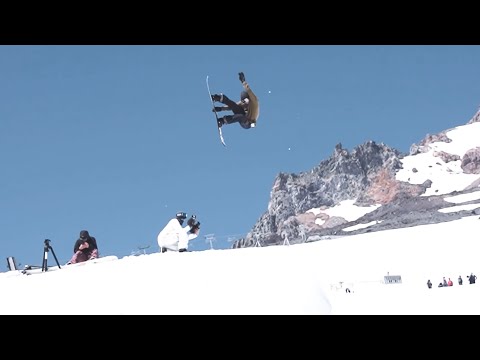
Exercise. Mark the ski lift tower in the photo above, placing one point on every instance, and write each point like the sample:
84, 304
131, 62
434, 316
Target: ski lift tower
210, 238
257, 241
303, 235
233, 238
143, 248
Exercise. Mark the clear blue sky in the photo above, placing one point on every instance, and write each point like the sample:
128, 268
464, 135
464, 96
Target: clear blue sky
117, 139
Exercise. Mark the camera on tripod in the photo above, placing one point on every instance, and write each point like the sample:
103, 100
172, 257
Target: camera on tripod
193, 223
47, 242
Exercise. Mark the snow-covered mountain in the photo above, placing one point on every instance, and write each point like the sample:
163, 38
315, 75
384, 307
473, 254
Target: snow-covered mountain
374, 188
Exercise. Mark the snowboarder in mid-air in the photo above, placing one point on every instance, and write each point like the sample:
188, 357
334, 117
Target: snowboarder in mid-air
245, 112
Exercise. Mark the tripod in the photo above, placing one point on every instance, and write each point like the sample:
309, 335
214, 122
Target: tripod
47, 247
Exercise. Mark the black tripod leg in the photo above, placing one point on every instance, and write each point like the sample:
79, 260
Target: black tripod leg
55, 256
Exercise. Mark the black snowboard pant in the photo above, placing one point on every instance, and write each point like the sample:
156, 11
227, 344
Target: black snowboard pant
239, 114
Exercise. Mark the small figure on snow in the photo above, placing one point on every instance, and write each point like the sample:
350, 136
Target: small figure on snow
245, 112
85, 248
472, 278
174, 237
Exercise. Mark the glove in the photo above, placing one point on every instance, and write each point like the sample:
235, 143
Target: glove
241, 76
182, 250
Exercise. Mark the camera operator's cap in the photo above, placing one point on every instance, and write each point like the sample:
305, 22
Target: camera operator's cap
181, 215
84, 234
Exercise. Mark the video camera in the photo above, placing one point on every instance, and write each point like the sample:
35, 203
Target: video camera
193, 223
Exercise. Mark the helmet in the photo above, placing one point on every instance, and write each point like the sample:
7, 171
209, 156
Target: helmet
244, 95
181, 215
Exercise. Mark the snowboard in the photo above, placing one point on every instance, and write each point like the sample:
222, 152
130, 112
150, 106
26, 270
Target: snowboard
216, 114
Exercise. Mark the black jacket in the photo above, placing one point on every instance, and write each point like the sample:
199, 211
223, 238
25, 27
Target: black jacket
92, 244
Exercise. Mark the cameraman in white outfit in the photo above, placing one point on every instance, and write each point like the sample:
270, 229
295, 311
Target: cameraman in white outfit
174, 237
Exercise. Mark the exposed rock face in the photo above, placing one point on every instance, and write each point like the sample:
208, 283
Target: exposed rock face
423, 146
298, 206
475, 118
367, 174
471, 161
446, 157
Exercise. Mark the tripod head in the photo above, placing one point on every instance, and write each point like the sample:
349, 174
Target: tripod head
46, 244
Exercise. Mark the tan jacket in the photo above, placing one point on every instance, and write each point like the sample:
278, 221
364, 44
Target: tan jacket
253, 108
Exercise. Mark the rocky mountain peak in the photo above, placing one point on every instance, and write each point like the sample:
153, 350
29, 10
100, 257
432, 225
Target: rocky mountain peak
300, 205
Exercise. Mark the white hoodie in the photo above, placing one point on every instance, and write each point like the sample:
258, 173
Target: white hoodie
174, 237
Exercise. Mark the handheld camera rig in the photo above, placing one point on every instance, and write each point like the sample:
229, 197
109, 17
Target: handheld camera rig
193, 223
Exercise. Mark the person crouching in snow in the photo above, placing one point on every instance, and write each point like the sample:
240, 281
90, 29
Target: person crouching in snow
85, 248
174, 237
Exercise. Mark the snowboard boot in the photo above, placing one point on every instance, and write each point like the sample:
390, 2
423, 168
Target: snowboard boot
220, 122
217, 97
